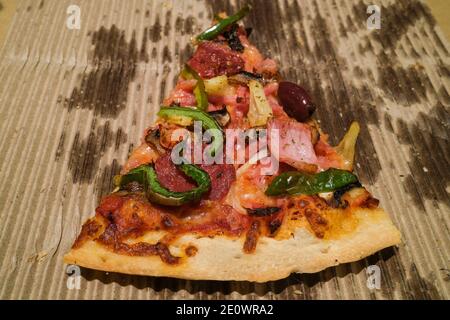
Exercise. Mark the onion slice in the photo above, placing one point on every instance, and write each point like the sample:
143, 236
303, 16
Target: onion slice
259, 111
346, 148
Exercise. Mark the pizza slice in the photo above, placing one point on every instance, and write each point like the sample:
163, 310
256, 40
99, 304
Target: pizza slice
235, 180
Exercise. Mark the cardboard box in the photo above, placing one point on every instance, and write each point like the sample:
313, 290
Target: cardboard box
74, 103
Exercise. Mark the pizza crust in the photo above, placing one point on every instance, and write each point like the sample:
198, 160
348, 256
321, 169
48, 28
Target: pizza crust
222, 258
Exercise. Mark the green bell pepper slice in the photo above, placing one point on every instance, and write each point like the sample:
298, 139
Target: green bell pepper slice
219, 28
200, 93
155, 192
295, 182
208, 122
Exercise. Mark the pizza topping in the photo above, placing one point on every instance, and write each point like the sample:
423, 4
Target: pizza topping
216, 85
359, 197
336, 200
199, 91
141, 155
221, 116
263, 212
295, 182
315, 132
232, 37
248, 191
295, 146
251, 55
212, 59
244, 77
222, 176
238, 108
183, 94
346, 147
268, 68
172, 177
251, 239
260, 111
157, 193
153, 139
223, 24
327, 157
295, 100
208, 122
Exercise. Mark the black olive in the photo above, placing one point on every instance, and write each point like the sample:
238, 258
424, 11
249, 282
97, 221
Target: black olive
295, 100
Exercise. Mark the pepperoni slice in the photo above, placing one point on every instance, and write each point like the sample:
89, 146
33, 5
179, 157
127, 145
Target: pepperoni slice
222, 176
213, 59
170, 177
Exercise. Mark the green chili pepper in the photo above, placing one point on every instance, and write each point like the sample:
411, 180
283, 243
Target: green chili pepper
220, 27
200, 93
208, 122
295, 182
146, 176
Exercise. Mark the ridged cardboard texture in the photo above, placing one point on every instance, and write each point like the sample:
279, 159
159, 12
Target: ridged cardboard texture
74, 103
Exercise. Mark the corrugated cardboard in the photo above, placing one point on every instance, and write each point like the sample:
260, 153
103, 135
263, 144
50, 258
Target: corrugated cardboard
73, 103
